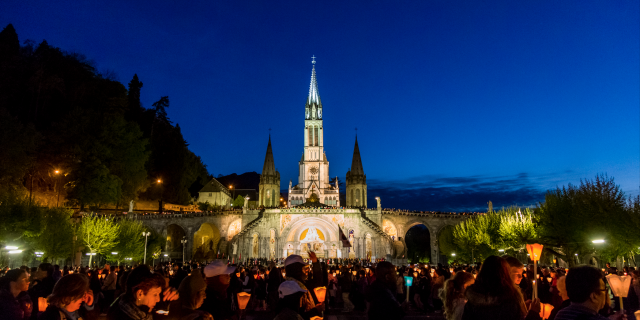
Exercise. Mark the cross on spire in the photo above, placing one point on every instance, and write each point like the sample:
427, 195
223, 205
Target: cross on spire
313, 59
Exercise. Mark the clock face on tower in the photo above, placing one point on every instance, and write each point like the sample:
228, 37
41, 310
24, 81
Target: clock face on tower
313, 170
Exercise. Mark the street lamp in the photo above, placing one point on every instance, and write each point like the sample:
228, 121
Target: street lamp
160, 207
145, 235
598, 241
184, 246
57, 172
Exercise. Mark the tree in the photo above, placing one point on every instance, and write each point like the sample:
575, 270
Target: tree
93, 184
99, 235
18, 144
571, 217
18, 218
446, 241
56, 238
238, 202
130, 242
517, 228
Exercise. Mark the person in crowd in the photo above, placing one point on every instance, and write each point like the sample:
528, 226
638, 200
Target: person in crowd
57, 274
588, 294
192, 293
273, 282
12, 285
453, 296
610, 270
109, 285
381, 294
217, 301
43, 288
96, 287
261, 290
437, 283
71, 299
143, 291
561, 285
297, 270
345, 281
495, 296
178, 275
291, 301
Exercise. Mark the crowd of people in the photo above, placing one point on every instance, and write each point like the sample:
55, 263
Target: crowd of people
499, 288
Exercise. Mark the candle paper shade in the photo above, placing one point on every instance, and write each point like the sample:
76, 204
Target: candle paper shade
534, 250
354, 272
619, 285
42, 304
243, 299
408, 281
316, 318
545, 310
320, 293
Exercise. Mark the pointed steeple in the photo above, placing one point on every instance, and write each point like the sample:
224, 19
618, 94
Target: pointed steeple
269, 168
356, 163
314, 95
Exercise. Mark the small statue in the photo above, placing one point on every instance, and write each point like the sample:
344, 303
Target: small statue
131, 206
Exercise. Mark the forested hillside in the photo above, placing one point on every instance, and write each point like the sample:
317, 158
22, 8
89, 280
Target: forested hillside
69, 130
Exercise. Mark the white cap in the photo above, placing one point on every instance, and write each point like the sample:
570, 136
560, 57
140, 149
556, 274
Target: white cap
293, 259
289, 287
217, 268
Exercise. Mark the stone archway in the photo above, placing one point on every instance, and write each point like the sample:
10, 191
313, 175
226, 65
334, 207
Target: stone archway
175, 234
205, 242
418, 243
297, 235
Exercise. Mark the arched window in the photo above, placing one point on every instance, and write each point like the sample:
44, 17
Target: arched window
352, 199
310, 133
358, 201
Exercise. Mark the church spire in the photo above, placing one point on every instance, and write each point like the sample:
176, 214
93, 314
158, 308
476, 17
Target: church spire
314, 95
269, 168
356, 163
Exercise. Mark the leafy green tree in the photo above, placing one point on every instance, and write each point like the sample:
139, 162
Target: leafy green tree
94, 185
130, 242
446, 241
571, 217
56, 240
99, 235
238, 202
517, 228
18, 218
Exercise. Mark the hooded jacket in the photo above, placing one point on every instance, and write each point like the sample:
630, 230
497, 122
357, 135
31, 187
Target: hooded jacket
185, 307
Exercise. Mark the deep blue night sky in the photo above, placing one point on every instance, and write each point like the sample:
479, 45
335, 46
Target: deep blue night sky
456, 102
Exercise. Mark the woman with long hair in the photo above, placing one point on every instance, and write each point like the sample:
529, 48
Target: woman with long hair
143, 291
453, 294
494, 294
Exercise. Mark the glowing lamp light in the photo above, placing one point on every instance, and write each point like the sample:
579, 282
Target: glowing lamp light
354, 272
166, 255
549, 279
11, 247
415, 274
453, 254
15, 251
243, 299
598, 241
114, 253
316, 318
408, 281
321, 293
39, 252
545, 310
535, 250
500, 250
620, 286
238, 274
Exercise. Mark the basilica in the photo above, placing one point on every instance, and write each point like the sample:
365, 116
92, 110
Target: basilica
313, 219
